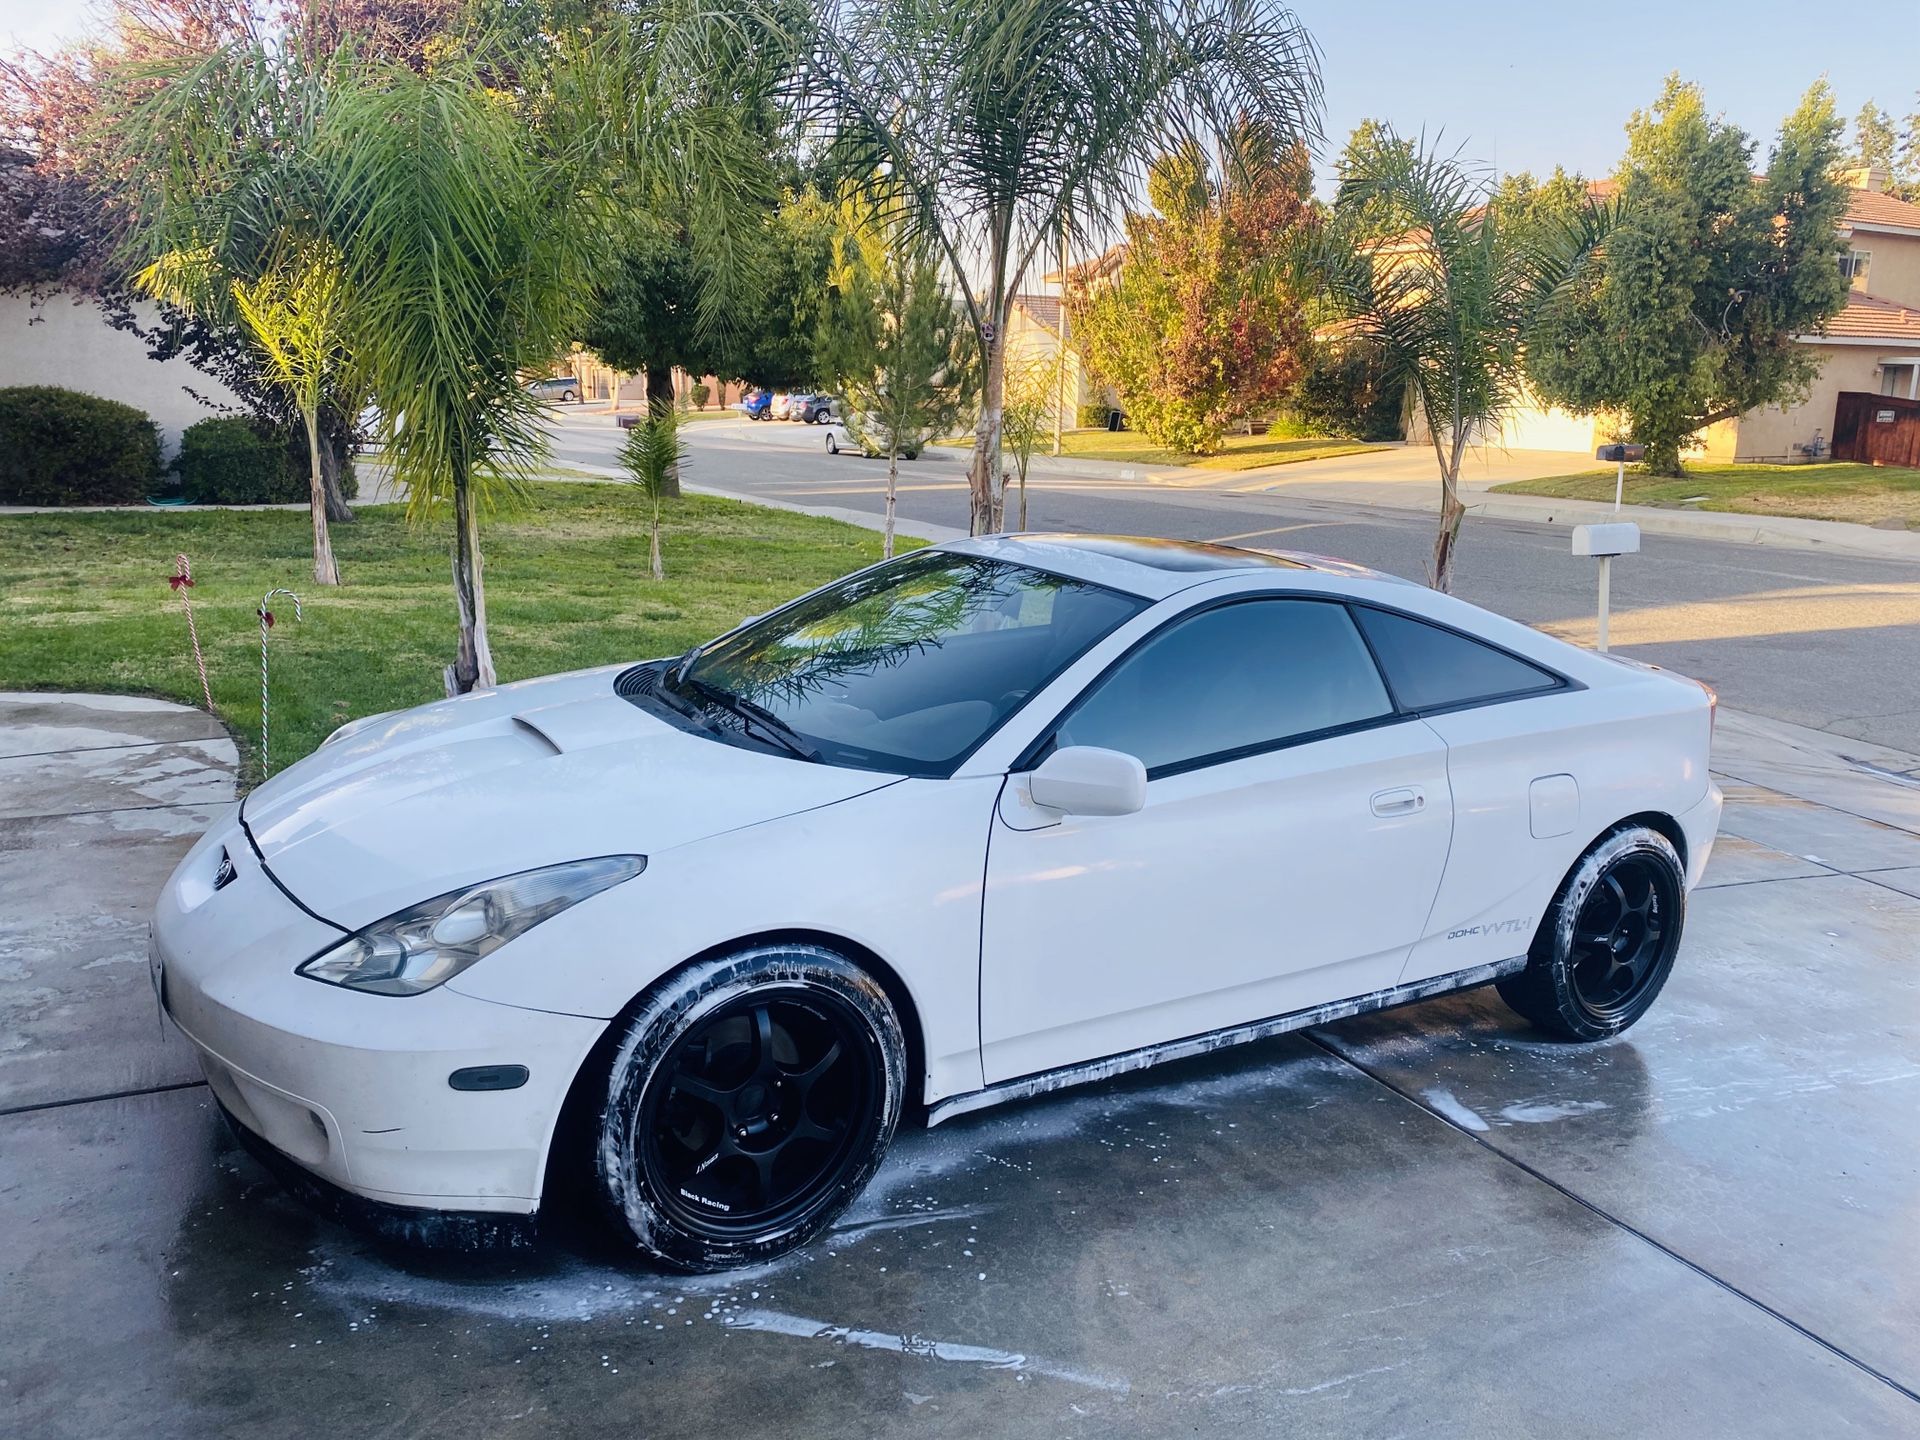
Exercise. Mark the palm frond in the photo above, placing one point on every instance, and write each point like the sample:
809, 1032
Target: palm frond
653, 452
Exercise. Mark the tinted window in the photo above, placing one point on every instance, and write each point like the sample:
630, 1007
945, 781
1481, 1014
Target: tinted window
1240, 676
905, 667
1431, 667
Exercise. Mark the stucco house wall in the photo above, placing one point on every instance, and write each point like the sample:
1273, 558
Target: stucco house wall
62, 339
1774, 432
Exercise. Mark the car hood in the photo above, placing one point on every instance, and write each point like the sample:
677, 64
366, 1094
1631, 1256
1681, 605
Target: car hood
413, 804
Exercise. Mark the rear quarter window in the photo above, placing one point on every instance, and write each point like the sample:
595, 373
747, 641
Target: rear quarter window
1431, 668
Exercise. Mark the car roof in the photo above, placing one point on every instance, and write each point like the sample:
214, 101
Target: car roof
1148, 567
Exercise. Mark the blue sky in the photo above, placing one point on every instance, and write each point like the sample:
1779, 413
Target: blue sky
1524, 85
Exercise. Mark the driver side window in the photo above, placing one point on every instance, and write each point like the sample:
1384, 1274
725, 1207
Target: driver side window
1236, 679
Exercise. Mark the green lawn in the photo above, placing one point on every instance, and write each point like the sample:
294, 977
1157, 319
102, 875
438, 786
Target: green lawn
84, 602
1238, 452
1865, 494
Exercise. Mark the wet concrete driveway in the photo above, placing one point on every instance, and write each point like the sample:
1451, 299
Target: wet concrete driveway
1423, 1223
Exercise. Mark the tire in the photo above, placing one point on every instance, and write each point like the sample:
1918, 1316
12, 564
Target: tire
1606, 945
693, 1157
833, 446
567, 397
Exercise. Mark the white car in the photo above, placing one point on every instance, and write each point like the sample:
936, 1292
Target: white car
990, 819
843, 438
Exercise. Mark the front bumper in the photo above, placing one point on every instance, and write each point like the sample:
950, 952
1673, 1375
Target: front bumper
351, 1087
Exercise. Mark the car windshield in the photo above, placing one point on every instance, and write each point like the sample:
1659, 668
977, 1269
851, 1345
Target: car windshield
905, 667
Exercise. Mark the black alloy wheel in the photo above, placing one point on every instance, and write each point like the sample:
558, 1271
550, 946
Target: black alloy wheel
1606, 945
749, 1100
1619, 936
757, 1109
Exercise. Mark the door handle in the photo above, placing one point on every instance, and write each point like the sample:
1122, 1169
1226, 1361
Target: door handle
1404, 801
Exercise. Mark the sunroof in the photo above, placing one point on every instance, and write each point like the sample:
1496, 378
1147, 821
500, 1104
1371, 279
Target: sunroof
1175, 555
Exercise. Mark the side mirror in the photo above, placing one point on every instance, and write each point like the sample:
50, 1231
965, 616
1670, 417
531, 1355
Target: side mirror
1086, 780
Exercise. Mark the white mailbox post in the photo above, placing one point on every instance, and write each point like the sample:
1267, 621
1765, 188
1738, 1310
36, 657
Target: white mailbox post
1619, 537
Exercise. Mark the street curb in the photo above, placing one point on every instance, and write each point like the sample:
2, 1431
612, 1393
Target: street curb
1781, 531
932, 534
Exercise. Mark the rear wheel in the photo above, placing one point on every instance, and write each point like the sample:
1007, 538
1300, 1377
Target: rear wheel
1606, 946
750, 1100
833, 445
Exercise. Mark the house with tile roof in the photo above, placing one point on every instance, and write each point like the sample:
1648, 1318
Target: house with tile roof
1037, 336
1871, 346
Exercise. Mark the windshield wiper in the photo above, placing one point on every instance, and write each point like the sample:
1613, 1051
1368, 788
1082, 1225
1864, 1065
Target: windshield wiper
758, 716
677, 672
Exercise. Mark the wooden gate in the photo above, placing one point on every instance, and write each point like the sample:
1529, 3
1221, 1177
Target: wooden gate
1876, 429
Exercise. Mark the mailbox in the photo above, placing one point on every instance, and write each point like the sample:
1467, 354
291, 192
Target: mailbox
1621, 537
1625, 454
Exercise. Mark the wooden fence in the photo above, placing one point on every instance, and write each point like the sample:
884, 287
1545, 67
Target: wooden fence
1876, 429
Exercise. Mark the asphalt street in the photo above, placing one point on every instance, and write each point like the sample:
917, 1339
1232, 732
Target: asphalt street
1830, 641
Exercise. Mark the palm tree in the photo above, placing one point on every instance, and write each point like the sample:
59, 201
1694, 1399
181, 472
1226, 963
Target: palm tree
652, 457
1418, 260
999, 124
296, 313
221, 149
466, 247
464, 205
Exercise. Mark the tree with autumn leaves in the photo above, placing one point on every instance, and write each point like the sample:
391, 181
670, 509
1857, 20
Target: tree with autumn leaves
1198, 328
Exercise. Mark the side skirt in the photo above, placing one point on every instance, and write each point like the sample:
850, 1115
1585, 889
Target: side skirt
1088, 1071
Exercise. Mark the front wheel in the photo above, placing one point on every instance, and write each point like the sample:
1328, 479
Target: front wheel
1606, 946
750, 1100
833, 445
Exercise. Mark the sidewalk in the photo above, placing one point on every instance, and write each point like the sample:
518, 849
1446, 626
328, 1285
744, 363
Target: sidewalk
1407, 478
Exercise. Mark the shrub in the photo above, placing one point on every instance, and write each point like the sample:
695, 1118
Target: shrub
1345, 392
697, 394
235, 460
60, 447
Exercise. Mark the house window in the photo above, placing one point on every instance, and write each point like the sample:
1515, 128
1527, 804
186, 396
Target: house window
1854, 265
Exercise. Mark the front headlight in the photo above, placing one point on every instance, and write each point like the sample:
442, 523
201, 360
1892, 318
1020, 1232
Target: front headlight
430, 943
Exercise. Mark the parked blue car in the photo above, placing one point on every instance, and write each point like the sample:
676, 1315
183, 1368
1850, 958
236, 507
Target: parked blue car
755, 404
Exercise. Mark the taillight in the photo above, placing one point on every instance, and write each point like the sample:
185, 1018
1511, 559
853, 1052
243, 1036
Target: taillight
1713, 706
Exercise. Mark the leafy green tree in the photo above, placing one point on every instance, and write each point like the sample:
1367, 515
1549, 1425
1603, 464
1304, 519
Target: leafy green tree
997, 125
1419, 262
652, 456
647, 312
1033, 392
1707, 278
1197, 330
897, 342
1878, 140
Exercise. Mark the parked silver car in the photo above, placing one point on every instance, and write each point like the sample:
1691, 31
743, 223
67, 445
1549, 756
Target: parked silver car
559, 387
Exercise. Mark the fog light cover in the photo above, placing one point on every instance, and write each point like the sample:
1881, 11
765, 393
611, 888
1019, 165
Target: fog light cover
428, 944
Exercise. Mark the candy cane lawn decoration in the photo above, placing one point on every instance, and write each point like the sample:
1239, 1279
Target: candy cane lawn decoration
266, 624
182, 581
